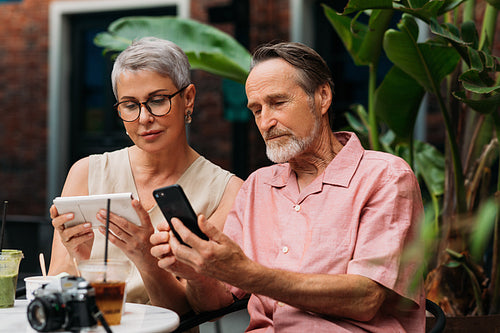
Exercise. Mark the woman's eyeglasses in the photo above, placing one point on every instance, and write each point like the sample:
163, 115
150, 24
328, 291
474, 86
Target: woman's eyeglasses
158, 105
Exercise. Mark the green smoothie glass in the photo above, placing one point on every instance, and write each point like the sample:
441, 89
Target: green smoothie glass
9, 269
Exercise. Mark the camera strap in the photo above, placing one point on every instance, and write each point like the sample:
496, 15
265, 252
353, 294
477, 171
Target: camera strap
98, 316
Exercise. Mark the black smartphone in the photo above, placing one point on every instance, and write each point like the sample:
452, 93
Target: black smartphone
173, 203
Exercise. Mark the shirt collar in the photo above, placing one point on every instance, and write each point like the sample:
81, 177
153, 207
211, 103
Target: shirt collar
343, 167
340, 170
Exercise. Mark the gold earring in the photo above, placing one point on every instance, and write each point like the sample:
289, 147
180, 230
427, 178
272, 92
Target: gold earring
187, 117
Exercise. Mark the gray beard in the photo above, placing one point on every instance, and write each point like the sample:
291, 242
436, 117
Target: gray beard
283, 152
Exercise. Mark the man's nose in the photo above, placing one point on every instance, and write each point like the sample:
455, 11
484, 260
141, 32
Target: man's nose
267, 119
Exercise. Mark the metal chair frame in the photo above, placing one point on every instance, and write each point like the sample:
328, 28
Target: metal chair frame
192, 320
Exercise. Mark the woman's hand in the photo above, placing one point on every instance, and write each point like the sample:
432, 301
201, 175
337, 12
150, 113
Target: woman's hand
132, 239
78, 239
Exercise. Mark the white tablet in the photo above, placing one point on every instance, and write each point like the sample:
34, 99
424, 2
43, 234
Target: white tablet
86, 207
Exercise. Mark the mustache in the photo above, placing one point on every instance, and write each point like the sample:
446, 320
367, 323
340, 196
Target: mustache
275, 132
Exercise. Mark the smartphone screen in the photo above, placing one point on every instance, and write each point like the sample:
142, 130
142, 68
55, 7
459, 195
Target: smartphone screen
173, 203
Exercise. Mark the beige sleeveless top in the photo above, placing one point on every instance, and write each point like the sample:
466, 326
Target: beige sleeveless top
203, 182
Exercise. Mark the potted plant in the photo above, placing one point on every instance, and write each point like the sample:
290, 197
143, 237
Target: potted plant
456, 65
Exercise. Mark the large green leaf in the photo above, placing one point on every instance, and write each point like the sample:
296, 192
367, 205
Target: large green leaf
478, 82
359, 123
423, 9
397, 101
207, 48
371, 46
428, 63
429, 165
485, 104
352, 36
483, 229
448, 31
364, 43
360, 5
466, 42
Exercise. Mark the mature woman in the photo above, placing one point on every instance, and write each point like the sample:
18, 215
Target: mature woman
155, 100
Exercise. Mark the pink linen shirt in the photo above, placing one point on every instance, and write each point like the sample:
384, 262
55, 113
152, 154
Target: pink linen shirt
355, 218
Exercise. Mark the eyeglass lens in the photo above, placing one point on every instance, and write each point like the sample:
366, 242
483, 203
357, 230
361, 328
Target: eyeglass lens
157, 105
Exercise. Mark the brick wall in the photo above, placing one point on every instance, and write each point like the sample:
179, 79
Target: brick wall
23, 100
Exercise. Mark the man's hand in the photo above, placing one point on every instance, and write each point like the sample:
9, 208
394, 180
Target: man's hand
162, 250
219, 257
194, 262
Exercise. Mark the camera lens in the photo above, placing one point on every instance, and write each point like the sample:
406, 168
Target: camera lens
46, 314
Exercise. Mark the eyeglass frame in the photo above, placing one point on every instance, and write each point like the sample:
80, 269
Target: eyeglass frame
140, 104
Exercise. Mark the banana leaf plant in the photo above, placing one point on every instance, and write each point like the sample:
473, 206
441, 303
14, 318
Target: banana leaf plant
456, 65
207, 48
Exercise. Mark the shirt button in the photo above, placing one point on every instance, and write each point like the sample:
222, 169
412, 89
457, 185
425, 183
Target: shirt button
297, 208
285, 249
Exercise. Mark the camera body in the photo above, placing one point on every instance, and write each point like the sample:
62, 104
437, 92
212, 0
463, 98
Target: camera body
68, 303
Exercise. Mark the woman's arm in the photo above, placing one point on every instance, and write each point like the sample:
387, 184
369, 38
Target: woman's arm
75, 242
218, 218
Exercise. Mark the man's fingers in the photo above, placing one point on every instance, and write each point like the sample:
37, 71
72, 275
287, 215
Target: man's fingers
182, 253
181, 230
163, 226
160, 251
173, 241
209, 229
159, 238
167, 263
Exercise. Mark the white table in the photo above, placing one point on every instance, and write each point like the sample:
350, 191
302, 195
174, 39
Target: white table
136, 318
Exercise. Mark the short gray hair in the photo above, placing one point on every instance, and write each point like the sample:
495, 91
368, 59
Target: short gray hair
156, 55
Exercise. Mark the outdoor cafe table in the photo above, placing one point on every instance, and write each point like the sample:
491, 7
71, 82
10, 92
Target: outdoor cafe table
136, 318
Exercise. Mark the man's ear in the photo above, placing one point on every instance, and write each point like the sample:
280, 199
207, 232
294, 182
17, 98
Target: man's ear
324, 93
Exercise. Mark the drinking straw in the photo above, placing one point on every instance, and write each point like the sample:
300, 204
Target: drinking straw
106, 242
3, 224
42, 264
76, 266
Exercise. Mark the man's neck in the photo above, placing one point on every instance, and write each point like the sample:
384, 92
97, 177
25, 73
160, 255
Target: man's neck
311, 163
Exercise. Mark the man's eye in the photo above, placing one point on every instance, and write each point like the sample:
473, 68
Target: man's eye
157, 100
255, 112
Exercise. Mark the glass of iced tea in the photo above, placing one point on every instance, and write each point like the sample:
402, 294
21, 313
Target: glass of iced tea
108, 280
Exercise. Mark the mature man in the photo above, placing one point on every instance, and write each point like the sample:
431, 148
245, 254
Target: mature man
318, 238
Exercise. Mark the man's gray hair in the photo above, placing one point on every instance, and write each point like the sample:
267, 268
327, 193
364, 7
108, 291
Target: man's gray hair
312, 70
156, 55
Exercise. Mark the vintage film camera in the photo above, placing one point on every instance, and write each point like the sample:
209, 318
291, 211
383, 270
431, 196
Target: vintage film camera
68, 303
